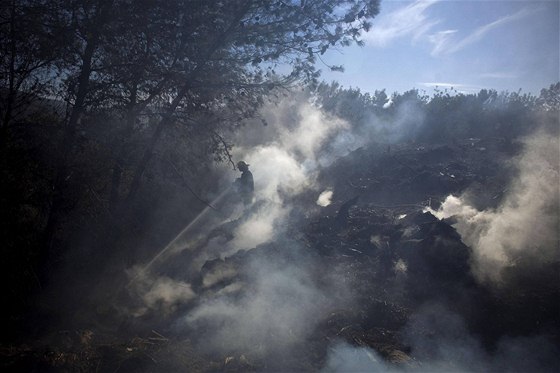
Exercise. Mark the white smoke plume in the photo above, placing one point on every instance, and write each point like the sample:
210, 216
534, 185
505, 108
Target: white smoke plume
346, 358
325, 198
278, 308
286, 154
300, 138
523, 230
158, 293
284, 157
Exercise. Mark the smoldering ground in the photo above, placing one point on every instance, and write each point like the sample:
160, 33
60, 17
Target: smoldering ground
515, 254
440, 341
521, 234
276, 311
251, 285
263, 306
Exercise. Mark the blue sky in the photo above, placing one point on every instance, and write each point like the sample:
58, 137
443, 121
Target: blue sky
464, 44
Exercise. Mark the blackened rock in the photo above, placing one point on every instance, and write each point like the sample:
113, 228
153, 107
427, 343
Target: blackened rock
437, 260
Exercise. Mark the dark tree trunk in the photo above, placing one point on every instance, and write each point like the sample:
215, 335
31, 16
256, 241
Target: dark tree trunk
7, 115
67, 145
131, 115
11, 84
148, 153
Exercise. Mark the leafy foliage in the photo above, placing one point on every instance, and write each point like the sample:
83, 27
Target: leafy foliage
108, 107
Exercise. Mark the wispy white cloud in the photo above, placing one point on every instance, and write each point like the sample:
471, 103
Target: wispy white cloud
444, 42
411, 20
440, 40
414, 22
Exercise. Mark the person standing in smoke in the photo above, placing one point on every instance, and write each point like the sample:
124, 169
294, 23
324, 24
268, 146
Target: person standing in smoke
244, 184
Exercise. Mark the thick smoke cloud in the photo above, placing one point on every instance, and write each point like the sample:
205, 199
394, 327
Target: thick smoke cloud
287, 153
523, 231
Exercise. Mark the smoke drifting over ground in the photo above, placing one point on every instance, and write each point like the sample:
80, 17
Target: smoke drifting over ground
159, 294
272, 307
242, 282
523, 231
276, 310
441, 342
270, 304
265, 307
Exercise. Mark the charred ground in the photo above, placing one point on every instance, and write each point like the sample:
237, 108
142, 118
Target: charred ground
394, 265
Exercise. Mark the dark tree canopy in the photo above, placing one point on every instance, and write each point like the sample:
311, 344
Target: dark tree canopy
98, 96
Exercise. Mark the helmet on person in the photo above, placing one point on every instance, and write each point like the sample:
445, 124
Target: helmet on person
242, 165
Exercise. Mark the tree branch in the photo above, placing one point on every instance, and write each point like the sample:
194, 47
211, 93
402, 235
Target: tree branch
188, 186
